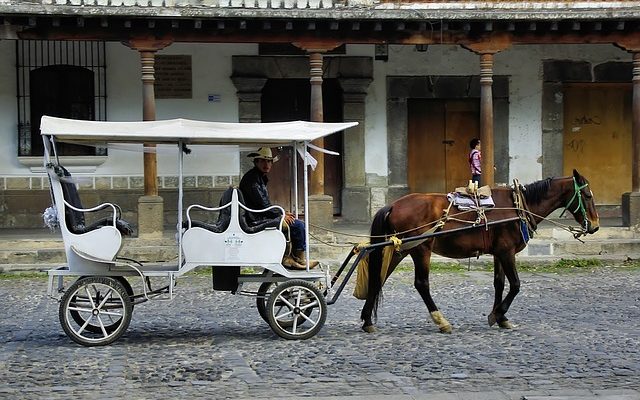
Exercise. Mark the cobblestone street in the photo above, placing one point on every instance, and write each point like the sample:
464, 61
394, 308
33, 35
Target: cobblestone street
577, 332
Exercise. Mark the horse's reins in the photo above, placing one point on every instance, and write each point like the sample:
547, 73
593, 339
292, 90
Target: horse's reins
446, 217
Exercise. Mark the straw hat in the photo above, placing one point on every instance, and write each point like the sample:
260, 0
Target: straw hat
264, 153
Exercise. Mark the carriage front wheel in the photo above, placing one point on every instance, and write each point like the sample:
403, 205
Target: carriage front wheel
95, 310
296, 310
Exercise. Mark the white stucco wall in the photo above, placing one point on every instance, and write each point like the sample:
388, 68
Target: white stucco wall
8, 109
211, 69
211, 65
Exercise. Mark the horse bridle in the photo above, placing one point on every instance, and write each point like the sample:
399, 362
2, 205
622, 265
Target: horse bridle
580, 207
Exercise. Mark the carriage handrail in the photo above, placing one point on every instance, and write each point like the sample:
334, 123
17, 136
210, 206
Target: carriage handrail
267, 209
363, 250
204, 208
96, 208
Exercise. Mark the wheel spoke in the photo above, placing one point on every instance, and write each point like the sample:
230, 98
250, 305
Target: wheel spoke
80, 309
118, 314
303, 315
285, 301
79, 331
102, 328
106, 298
281, 316
314, 304
86, 288
294, 328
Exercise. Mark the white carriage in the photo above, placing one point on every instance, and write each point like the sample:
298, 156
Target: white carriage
97, 307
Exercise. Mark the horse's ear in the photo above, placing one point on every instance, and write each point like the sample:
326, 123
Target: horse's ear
576, 174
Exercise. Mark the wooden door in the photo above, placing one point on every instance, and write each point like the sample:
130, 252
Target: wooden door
597, 137
288, 100
439, 132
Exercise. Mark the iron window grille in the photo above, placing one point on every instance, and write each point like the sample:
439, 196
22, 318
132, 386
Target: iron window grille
34, 54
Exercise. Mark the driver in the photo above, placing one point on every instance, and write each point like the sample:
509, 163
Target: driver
256, 196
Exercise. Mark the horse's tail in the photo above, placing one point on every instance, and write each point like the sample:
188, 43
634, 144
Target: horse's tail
379, 228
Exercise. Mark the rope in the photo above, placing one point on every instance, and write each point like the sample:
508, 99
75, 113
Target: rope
440, 222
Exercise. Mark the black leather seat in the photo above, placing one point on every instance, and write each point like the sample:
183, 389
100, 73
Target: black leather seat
74, 219
224, 217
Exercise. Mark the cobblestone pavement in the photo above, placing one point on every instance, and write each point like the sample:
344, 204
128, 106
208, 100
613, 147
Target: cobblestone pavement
577, 335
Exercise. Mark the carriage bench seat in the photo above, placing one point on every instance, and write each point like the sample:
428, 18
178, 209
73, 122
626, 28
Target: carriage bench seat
86, 246
231, 241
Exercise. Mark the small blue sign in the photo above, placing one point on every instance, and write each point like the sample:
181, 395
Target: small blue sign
214, 98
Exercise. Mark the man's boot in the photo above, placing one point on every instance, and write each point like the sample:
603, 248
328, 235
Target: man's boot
290, 262
300, 257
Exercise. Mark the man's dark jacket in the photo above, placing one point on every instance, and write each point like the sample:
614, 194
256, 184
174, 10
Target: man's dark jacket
256, 196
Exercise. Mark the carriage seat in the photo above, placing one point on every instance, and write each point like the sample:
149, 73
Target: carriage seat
224, 217
74, 215
231, 240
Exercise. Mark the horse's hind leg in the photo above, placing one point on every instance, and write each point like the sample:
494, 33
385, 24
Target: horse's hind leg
498, 286
508, 264
370, 302
421, 259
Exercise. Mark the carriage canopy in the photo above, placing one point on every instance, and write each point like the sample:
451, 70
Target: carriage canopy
188, 131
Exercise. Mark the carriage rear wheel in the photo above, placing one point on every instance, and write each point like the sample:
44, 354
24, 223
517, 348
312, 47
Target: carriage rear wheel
112, 323
95, 311
261, 303
296, 309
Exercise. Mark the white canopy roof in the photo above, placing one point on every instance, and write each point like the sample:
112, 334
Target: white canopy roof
190, 131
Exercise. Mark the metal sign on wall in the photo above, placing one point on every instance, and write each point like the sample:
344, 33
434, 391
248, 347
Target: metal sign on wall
173, 77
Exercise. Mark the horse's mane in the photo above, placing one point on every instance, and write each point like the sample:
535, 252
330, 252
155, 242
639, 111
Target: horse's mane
534, 192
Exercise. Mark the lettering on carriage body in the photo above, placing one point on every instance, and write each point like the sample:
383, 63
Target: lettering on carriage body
232, 245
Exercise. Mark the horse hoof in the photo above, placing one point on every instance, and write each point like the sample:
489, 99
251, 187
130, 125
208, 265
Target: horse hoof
492, 319
445, 329
369, 328
506, 325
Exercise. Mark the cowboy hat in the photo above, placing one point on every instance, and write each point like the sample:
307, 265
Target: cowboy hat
264, 153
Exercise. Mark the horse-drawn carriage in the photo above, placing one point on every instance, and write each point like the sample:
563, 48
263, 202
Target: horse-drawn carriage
96, 308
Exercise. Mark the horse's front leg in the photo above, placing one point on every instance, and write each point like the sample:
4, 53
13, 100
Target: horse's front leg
508, 264
421, 260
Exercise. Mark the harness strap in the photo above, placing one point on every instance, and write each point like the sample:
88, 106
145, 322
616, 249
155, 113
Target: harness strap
522, 209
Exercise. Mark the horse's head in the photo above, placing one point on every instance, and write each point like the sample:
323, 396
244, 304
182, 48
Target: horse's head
582, 205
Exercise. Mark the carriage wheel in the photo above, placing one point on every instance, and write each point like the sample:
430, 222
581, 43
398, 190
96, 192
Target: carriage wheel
296, 310
95, 311
111, 323
261, 303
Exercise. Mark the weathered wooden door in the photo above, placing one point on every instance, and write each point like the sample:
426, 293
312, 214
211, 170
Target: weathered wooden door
439, 132
597, 137
290, 99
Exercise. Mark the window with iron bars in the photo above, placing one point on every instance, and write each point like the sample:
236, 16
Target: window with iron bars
59, 78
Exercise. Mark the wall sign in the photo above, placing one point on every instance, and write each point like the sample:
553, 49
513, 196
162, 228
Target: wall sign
173, 77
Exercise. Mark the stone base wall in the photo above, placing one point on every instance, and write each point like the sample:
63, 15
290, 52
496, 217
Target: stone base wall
23, 200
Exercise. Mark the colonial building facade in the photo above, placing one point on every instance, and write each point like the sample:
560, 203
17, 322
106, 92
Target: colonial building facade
548, 86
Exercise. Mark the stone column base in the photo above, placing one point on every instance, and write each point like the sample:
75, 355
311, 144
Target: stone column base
631, 210
150, 217
321, 214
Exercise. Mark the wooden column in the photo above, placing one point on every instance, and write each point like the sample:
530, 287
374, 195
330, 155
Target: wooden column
486, 51
150, 206
147, 60
486, 118
315, 77
147, 49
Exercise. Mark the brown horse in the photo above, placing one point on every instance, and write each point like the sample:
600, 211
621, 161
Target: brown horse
415, 214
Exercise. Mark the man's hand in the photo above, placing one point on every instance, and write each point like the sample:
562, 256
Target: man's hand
289, 218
